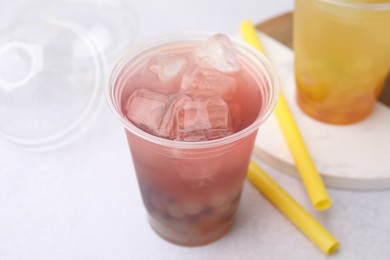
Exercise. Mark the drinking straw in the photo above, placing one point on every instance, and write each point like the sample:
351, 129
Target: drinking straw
292, 210
309, 175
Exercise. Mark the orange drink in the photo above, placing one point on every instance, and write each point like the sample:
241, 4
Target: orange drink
342, 57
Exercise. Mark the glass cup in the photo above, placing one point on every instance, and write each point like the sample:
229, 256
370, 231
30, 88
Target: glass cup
342, 57
191, 190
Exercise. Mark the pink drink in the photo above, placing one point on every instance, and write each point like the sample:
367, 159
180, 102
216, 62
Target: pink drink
191, 109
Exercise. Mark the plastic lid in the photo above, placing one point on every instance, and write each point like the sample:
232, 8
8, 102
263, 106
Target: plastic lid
111, 24
52, 69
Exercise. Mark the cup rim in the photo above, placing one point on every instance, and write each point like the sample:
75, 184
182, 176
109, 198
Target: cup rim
245, 49
357, 5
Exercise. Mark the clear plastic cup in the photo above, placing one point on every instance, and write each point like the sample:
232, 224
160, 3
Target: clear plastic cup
191, 190
342, 57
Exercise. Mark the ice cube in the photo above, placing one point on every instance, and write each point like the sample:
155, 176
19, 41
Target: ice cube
235, 112
178, 116
145, 78
168, 67
145, 108
191, 78
155, 112
218, 52
203, 119
167, 127
200, 82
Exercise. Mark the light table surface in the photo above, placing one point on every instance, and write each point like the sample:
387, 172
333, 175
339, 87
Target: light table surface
82, 201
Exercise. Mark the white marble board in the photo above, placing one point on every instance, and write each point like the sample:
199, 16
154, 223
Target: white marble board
355, 156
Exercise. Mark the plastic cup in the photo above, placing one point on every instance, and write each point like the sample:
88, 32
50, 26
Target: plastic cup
342, 57
191, 190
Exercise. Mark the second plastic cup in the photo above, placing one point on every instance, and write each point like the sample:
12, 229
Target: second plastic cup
191, 190
342, 57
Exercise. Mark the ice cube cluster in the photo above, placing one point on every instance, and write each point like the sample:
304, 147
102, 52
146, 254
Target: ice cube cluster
202, 108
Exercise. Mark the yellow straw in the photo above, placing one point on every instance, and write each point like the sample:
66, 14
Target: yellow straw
309, 175
292, 210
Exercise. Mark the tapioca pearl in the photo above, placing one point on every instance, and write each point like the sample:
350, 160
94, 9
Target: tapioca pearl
161, 214
217, 199
223, 208
193, 207
157, 217
168, 200
157, 203
207, 212
192, 219
175, 211
179, 225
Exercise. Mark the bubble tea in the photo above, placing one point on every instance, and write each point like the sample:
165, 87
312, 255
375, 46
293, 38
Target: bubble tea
342, 57
191, 106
